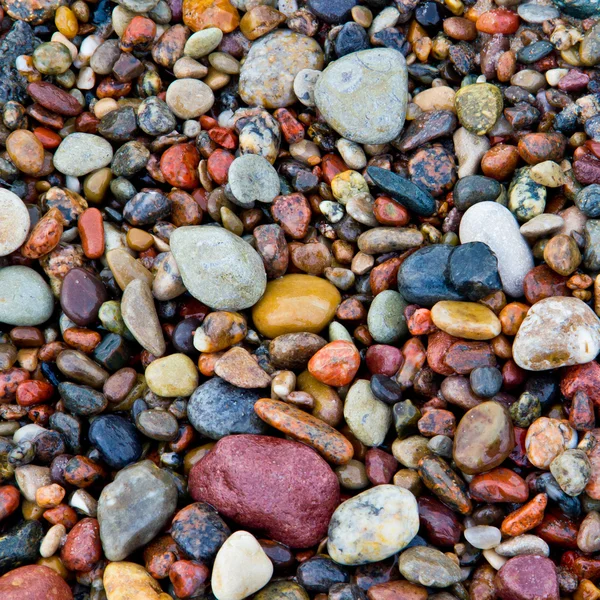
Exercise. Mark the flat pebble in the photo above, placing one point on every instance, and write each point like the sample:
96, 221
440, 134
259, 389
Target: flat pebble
82, 153
25, 298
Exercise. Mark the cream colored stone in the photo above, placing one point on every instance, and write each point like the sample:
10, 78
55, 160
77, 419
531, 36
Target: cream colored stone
172, 376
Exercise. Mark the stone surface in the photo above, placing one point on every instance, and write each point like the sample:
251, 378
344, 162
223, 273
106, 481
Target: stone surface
504, 239
385, 319
368, 418
429, 567
218, 409
363, 95
14, 225
278, 487
269, 83
20, 544
134, 508
25, 297
525, 577
252, 179
241, 568
117, 440
130, 581
373, 525
82, 153
478, 107
218, 268
34, 582
172, 376
557, 332
466, 320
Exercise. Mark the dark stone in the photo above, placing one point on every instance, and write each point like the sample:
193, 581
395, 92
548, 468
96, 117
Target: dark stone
118, 125
429, 14
544, 386
199, 531
19, 40
155, 117
522, 115
390, 37
592, 127
580, 9
422, 276
473, 189
402, 190
385, 389
82, 400
183, 335
346, 591
332, 11
117, 440
48, 445
588, 200
318, 574
351, 38
485, 381
423, 73
462, 57
534, 52
112, 352
426, 127
439, 522
217, 409
569, 505
146, 208
20, 545
81, 296
69, 427
433, 169
473, 270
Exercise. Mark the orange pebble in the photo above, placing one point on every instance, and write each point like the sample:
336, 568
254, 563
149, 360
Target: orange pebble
50, 139
335, 364
49, 496
511, 317
91, 232
527, 517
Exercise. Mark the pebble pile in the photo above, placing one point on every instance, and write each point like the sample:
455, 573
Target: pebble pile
299, 299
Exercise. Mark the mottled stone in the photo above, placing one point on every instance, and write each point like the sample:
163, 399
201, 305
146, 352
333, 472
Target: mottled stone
363, 95
373, 525
368, 418
25, 297
557, 332
429, 567
34, 582
478, 107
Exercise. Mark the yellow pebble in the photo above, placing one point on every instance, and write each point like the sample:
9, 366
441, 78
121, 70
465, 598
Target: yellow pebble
466, 320
66, 22
456, 6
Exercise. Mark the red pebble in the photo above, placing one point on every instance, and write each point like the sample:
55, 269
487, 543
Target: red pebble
218, 165
383, 360
82, 550
499, 485
179, 166
32, 392
335, 364
189, 578
380, 466
91, 231
9, 500
498, 20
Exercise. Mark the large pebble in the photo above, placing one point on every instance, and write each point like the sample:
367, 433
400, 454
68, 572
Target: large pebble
295, 303
363, 95
494, 225
373, 525
218, 268
14, 225
241, 568
252, 179
269, 83
557, 332
117, 440
214, 417
468, 320
25, 298
34, 582
189, 98
82, 153
429, 567
278, 487
368, 418
134, 508
130, 581
20, 544
527, 577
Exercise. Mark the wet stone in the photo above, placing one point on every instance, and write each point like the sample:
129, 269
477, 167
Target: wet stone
82, 153
335, 11
429, 567
378, 74
385, 319
433, 169
426, 127
81, 296
155, 117
252, 179
478, 107
473, 189
526, 576
25, 297
82, 400
473, 270
215, 420
20, 544
117, 440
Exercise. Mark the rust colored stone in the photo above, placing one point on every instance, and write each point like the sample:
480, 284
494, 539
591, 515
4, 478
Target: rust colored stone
179, 166
293, 213
45, 236
500, 162
499, 485
218, 165
9, 382
54, 99
335, 364
535, 148
83, 549
91, 232
82, 472
437, 422
9, 500
527, 517
464, 356
542, 282
30, 393
385, 276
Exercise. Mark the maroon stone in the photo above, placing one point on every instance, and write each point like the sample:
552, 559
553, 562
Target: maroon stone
582, 378
82, 550
34, 582
383, 360
439, 522
542, 282
81, 296
587, 170
380, 466
527, 577
573, 81
281, 488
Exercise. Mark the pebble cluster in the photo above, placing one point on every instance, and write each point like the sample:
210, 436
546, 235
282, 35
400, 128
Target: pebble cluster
299, 299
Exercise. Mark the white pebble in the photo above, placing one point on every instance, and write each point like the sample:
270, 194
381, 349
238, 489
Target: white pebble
495, 560
52, 540
86, 79
483, 537
59, 37
84, 502
553, 76
73, 184
352, 154
27, 433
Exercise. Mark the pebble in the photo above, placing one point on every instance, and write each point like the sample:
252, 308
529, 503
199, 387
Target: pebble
238, 367
484, 438
466, 320
553, 332
470, 148
218, 268
25, 298
82, 153
214, 420
375, 80
478, 107
385, 319
541, 226
124, 580
473, 270
20, 544
116, 439
428, 567
203, 42
587, 537
279, 486
241, 567
369, 419
546, 439
268, 83
572, 471
189, 98
526, 198
524, 577
139, 315
504, 239
521, 545
483, 537
14, 226
295, 303
172, 376
373, 525
134, 508
34, 582
252, 179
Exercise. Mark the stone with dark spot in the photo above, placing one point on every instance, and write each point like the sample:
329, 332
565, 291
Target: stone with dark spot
82, 400
535, 148
332, 11
20, 544
579, 8
426, 127
19, 40
408, 194
34, 12
146, 208
199, 531
319, 573
278, 487
433, 169
218, 409
118, 125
